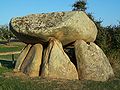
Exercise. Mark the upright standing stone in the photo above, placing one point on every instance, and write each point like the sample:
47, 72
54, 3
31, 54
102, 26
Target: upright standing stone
92, 63
56, 64
32, 62
22, 57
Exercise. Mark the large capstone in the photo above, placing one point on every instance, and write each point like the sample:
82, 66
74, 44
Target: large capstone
64, 26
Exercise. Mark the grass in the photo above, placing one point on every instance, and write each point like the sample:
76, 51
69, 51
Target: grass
11, 47
4, 69
8, 57
16, 83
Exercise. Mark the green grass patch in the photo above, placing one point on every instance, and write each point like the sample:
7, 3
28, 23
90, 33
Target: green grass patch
9, 57
16, 83
4, 69
9, 49
12, 47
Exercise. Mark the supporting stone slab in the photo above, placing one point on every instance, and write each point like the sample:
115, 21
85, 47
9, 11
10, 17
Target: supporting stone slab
31, 61
92, 63
22, 57
56, 63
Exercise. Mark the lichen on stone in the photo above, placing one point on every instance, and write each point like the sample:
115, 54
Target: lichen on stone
36, 21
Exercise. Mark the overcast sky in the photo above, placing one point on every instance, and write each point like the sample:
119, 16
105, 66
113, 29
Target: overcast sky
106, 10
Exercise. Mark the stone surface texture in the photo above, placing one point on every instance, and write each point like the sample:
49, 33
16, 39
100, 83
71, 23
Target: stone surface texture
64, 26
56, 63
92, 63
31, 63
22, 57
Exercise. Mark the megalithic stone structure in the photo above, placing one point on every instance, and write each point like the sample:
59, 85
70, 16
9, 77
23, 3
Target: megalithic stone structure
47, 34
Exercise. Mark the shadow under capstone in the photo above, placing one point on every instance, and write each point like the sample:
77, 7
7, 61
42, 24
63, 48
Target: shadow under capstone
70, 51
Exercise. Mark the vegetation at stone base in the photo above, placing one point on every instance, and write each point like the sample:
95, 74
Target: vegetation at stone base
4, 69
114, 58
26, 83
23, 83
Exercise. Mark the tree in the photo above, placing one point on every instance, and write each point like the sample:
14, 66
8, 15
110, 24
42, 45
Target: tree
79, 5
5, 33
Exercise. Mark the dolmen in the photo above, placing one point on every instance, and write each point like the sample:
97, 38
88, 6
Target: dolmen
47, 36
